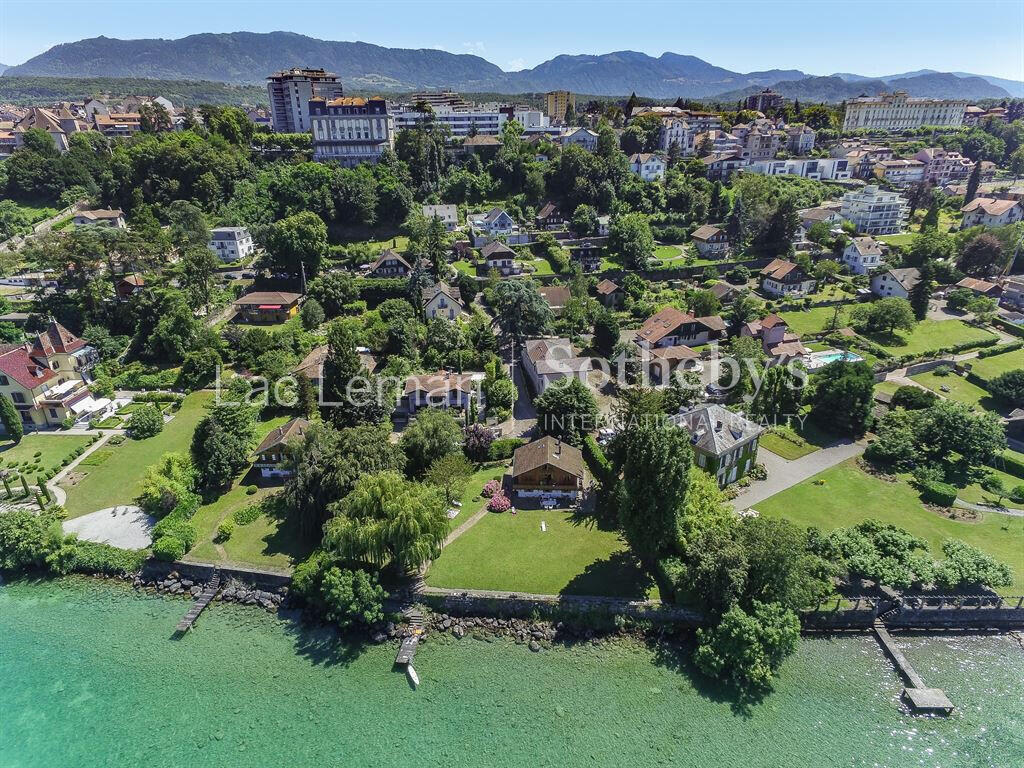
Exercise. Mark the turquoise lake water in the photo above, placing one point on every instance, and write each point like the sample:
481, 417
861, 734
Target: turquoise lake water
90, 677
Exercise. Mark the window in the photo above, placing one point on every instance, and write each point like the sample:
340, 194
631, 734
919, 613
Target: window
17, 397
4, 380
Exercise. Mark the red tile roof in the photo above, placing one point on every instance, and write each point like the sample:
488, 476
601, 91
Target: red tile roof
17, 363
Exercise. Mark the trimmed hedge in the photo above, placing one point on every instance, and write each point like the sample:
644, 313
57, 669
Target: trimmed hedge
168, 548
501, 450
1009, 464
598, 463
1000, 349
942, 494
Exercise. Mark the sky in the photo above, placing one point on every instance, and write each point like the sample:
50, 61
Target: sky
816, 36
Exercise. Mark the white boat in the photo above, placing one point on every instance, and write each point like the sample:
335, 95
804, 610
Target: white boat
412, 675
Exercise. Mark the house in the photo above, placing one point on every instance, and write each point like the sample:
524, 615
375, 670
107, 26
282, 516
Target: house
272, 454
587, 255
556, 296
46, 377
448, 214
817, 168
482, 144
724, 443
784, 278
118, 124
550, 217
719, 166
875, 211
498, 256
128, 286
665, 361
672, 327
900, 172
581, 137
981, 287
988, 212
546, 361
443, 389
231, 244
548, 467
103, 217
895, 282
862, 255
609, 293
267, 307
603, 225
390, 264
647, 165
776, 340
1013, 293
711, 241
726, 292
441, 300
312, 365
828, 214
799, 139
485, 227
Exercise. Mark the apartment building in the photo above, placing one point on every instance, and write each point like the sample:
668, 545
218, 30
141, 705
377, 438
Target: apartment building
290, 92
875, 211
764, 101
800, 139
118, 125
898, 112
470, 120
231, 243
821, 168
351, 131
900, 172
557, 102
942, 167
759, 139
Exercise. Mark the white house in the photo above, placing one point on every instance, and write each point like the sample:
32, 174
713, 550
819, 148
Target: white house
895, 282
103, 217
441, 300
987, 212
711, 241
647, 165
784, 278
581, 137
546, 361
900, 172
448, 214
443, 389
499, 256
828, 168
875, 211
231, 243
485, 227
862, 255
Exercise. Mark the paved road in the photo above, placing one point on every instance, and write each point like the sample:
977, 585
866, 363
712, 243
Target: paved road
783, 474
1010, 511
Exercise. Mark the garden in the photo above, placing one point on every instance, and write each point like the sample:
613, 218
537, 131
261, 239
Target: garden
930, 335
41, 455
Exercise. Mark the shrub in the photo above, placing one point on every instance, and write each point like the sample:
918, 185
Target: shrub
1017, 493
490, 488
147, 421
93, 557
247, 514
250, 490
225, 530
168, 548
943, 370
501, 450
595, 458
938, 493
352, 597
499, 503
1000, 349
969, 566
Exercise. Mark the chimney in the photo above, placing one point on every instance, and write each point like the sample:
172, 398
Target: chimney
558, 448
718, 426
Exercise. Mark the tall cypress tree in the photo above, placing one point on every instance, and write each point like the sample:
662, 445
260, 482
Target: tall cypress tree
973, 182
11, 420
921, 292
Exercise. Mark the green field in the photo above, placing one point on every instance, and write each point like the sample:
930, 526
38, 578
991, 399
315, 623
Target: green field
990, 367
52, 449
812, 320
792, 444
472, 501
902, 239
847, 495
930, 335
118, 480
510, 552
889, 387
960, 389
667, 252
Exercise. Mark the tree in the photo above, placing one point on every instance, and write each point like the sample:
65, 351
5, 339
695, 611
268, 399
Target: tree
606, 331
921, 292
435, 433
1009, 386
333, 291
224, 437
477, 442
584, 220
973, 182
145, 422
931, 216
780, 395
312, 314
450, 473
630, 239
521, 310
352, 597
967, 566
188, 226
782, 227
891, 313
843, 397
746, 649
881, 552
297, 240
981, 256
896, 446
958, 299
703, 303
10, 419
198, 269
929, 247
913, 398
352, 395
949, 427
387, 519
566, 410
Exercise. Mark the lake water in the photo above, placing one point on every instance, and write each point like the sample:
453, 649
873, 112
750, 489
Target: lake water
90, 677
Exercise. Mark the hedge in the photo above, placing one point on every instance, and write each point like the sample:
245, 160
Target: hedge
1001, 349
168, 548
1010, 328
599, 465
942, 494
502, 449
1009, 464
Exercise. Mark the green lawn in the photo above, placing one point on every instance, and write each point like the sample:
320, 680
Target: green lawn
929, 335
118, 480
889, 387
975, 494
849, 495
990, 367
960, 389
52, 449
792, 443
465, 267
902, 239
667, 251
510, 552
472, 501
811, 320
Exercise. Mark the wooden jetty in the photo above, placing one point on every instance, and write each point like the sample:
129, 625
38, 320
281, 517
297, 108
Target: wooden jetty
204, 599
407, 651
922, 699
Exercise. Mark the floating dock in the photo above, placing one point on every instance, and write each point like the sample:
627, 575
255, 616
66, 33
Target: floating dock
922, 700
204, 599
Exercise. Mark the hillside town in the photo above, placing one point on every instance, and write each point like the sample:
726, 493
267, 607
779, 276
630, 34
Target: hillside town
734, 362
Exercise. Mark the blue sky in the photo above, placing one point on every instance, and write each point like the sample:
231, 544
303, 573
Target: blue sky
816, 36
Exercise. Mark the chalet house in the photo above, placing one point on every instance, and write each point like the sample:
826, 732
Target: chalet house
862, 255
498, 256
784, 278
987, 212
441, 300
312, 365
546, 361
587, 255
724, 443
448, 214
46, 377
556, 296
272, 453
672, 327
128, 286
390, 264
267, 307
548, 467
103, 217
895, 282
550, 217
711, 241
610, 294
443, 389
981, 287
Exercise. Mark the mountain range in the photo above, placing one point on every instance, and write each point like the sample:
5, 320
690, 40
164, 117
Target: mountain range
247, 57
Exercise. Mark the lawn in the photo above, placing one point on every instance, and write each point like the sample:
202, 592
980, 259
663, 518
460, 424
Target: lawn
792, 443
975, 494
847, 495
990, 367
510, 552
902, 239
811, 320
52, 450
929, 335
465, 267
118, 480
472, 501
960, 389
888, 387
667, 252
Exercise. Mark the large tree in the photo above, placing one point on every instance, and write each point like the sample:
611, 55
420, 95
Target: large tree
434, 434
521, 310
843, 396
10, 419
981, 256
567, 410
630, 239
296, 241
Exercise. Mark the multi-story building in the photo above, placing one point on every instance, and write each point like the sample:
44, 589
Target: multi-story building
719, 166
469, 120
118, 124
675, 130
231, 243
822, 168
351, 131
647, 165
711, 241
546, 361
718, 142
759, 139
898, 112
485, 227
581, 137
900, 172
785, 278
862, 255
46, 377
799, 139
875, 211
60, 124
448, 214
764, 101
895, 282
988, 212
724, 443
290, 92
557, 102
942, 167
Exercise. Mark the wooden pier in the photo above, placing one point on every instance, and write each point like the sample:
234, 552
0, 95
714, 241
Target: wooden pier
407, 651
204, 599
922, 699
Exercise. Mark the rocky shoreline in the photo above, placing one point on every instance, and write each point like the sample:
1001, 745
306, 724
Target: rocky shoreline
232, 592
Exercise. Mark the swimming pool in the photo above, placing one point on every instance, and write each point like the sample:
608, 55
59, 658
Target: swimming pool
821, 359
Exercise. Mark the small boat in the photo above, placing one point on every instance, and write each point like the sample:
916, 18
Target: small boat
413, 677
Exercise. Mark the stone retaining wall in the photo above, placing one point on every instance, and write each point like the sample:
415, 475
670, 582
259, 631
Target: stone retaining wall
201, 572
931, 365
